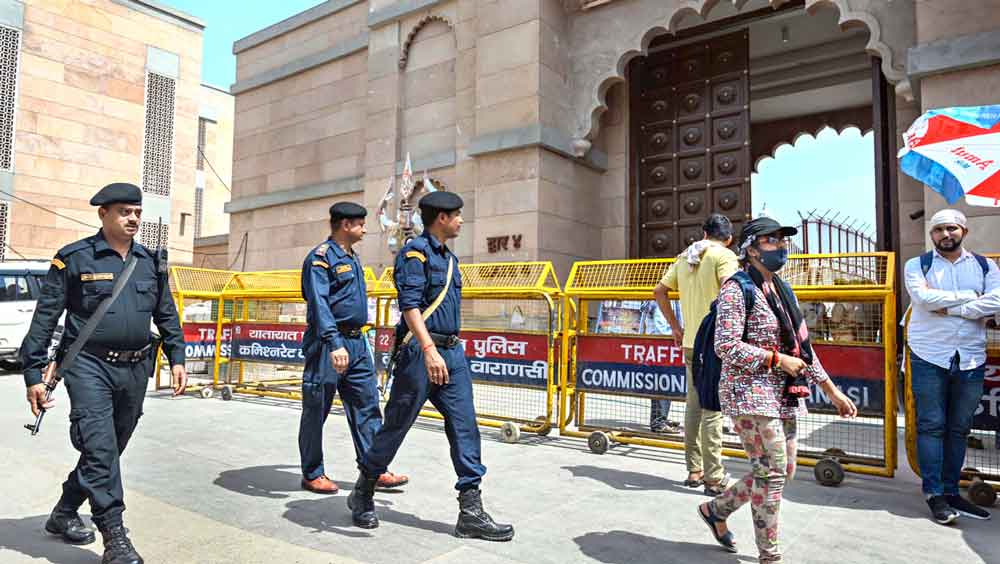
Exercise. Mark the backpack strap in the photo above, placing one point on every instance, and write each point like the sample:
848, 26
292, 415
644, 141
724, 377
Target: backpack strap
747, 285
926, 260
984, 263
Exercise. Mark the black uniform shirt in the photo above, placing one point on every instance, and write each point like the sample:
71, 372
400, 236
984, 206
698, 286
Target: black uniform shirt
82, 275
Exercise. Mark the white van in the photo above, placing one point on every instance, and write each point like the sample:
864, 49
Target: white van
20, 285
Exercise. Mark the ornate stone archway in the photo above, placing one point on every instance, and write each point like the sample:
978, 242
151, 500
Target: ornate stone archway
404, 56
606, 37
770, 136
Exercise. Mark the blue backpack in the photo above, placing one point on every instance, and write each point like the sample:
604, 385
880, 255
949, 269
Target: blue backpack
706, 367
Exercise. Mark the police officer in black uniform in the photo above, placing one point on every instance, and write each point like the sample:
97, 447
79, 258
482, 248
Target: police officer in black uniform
337, 359
107, 382
431, 364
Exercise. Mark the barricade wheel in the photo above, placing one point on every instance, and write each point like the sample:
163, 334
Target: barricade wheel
544, 427
227, 393
510, 432
982, 493
834, 453
206, 393
829, 472
599, 442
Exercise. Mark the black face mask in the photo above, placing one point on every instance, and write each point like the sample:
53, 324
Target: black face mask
774, 260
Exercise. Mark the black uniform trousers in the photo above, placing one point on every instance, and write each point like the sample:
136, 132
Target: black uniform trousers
105, 406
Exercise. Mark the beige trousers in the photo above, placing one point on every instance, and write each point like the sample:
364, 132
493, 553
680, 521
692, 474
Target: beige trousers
702, 431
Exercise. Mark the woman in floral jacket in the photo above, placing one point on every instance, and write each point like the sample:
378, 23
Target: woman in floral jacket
767, 364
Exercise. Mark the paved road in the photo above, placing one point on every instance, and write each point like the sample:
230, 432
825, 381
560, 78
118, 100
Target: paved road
210, 481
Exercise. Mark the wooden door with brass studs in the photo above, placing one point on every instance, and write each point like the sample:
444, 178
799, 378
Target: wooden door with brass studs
690, 150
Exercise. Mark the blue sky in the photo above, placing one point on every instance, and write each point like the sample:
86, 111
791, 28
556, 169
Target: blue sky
829, 171
227, 21
826, 172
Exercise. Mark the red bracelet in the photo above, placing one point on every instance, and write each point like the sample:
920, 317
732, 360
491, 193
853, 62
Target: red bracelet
426, 347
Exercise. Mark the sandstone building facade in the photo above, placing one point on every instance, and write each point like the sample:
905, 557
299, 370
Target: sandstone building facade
585, 129
101, 91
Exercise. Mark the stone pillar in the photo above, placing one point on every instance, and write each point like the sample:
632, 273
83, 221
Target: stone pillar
507, 70
381, 132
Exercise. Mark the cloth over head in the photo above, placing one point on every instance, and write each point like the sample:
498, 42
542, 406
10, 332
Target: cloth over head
946, 216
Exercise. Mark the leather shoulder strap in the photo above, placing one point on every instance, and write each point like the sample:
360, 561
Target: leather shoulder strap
98, 315
427, 313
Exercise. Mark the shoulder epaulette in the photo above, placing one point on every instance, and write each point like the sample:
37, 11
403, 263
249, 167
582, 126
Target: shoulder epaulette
74, 247
321, 250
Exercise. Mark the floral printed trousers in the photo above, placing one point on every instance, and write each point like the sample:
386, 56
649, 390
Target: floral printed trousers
770, 446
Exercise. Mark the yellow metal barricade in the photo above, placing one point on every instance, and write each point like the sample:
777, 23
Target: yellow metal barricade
261, 353
510, 317
259, 341
196, 293
611, 381
981, 473
383, 292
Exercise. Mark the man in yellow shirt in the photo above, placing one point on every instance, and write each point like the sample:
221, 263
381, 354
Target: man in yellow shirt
697, 275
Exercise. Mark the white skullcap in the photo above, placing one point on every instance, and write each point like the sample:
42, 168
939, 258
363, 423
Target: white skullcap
948, 216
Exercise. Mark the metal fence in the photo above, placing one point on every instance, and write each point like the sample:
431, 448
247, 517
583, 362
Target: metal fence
612, 384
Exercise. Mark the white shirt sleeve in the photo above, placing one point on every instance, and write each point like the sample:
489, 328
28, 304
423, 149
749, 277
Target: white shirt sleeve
987, 304
928, 298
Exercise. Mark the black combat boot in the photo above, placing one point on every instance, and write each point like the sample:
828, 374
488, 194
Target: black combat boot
475, 523
362, 503
117, 548
70, 527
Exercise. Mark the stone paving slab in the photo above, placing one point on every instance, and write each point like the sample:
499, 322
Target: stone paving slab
210, 481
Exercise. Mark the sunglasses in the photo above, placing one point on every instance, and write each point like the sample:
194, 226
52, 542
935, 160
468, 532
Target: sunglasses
775, 240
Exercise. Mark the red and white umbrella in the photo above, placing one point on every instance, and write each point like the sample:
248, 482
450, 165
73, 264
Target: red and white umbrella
956, 153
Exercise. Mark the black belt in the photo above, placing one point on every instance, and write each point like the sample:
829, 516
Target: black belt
445, 341
349, 332
119, 356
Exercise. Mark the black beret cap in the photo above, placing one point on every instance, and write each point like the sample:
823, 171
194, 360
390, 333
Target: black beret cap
119, 192
765, 226
444, 201
347, 210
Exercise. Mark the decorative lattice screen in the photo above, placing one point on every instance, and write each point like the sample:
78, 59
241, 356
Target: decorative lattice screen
158, 148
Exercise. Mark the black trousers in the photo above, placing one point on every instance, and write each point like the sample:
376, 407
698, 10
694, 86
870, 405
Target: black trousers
105, 406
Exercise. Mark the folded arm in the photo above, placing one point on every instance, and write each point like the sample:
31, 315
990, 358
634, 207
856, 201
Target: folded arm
929, 298
986, 305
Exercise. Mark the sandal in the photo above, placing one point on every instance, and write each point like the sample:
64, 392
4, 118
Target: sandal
717, 488
689, 483
726, 541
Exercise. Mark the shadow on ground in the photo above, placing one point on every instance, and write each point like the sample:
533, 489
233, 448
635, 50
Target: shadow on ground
626, 480
331, 515
273, 482
623, 547
28, 537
